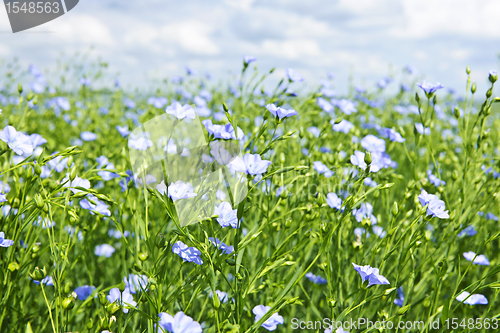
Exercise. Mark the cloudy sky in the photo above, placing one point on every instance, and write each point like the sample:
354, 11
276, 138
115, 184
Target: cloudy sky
157, 38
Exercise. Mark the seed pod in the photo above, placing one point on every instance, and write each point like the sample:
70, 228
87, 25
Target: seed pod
38, 274
143, 256
231, 262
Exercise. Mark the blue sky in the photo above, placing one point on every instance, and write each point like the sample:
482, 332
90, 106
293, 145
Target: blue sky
148, 39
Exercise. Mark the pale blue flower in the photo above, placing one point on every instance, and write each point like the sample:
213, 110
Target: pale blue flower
135, 283
227, 215
322, 169
358, 159
20, 143
181, 111
272, 322
139, 142
316, 278
84, 292
473, 299
225, 132
45, 223
344, 126
249, 59
345, 105
104, 250
178, 190
125, 299
190, 254
400, 299
181, 323
92, 204
221, 246
3, 197
251, 164
421, 130
5, 242
123, 130
325, 105
220, 294
479, 260
333, 201
364, 211
469, 231
157, 102
279, 112
429, 88
88, 136
373, 144
293, 76
77, 182
391, 134
46, 281
113, 233
435, 180
370, 274
435, 206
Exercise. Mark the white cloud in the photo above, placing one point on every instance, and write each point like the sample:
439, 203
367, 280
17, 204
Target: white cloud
193, 36
81, 29
290, 49
453, 17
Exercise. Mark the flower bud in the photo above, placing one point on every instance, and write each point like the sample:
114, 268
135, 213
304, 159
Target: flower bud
38, 169
467, 70
30, 96
102, 299
282, 158
216, 300
121, 286
489, 92
38, 274
454, 175
68, 303
332, 302
395, 209
111, 308
103, 322
20, 88
456, 112
417, 98
160, 240
231, 262
493, 76
288, 223
368, 158
90, 324
143, 256
434, 100
473, 88
338, 120
72, 174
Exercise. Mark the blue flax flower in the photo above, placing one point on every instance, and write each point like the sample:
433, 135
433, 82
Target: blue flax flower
19, 142
391, 134
180, 323
92, 204
400, 300
227, 216
135, 283
221, 246
221, 295
473, 299
373, 144
88, 136
84, 292
333, 201
104, 250
190, 254
370, 274
435, 206
5, 242
435, 180
479, 260
429, 88
251, 164
125, 299
344, 126
181, 111
279, 112
293, 76
316, 278
469, 231
272, 322
322, 169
